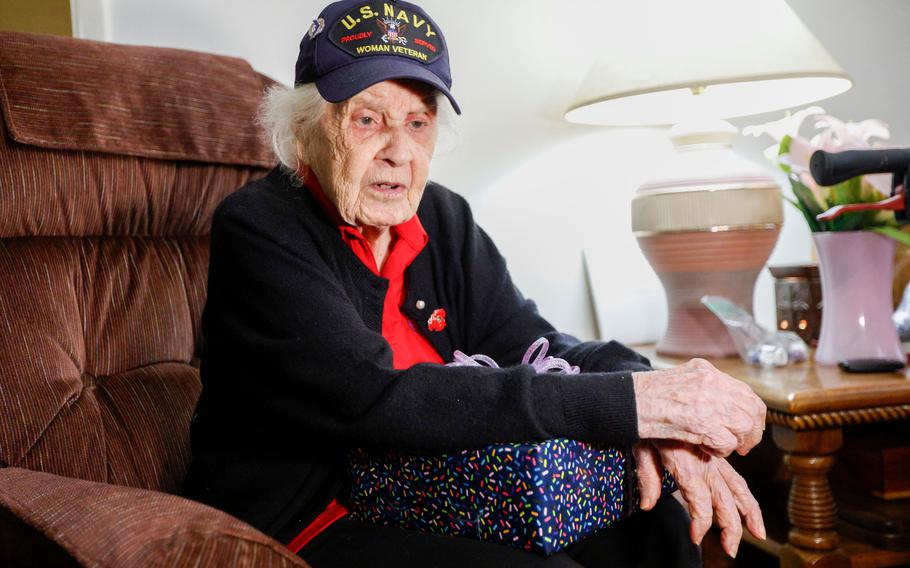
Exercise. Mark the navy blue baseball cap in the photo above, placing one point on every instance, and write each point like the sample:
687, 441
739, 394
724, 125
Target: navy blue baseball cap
355, 44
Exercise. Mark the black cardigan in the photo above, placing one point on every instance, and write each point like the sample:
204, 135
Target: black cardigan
295, 370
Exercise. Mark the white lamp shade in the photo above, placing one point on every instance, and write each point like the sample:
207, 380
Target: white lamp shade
744, 56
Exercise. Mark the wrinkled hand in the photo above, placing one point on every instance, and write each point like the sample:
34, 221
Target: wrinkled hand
649, 473
709, 485
698, 404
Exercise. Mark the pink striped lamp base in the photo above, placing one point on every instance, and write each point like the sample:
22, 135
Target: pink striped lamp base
694, 263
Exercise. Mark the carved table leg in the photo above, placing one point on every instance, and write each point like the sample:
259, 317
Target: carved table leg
811, 507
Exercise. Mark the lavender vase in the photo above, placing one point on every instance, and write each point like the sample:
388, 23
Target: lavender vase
856, 269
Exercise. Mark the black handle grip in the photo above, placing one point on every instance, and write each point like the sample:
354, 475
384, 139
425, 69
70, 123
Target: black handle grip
829, 168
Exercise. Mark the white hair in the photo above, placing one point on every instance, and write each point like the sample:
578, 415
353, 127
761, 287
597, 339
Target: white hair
287, 115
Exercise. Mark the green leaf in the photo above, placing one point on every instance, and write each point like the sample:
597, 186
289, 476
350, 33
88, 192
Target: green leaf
853, 221
849, 191
894, 233
837, 224
810, 219
881, 218
806, 197
784, 148
785, 143
809, 205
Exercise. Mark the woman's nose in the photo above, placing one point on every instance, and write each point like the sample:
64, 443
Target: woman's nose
397, 149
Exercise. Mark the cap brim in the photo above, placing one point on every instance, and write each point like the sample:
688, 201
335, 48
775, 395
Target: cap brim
345, 82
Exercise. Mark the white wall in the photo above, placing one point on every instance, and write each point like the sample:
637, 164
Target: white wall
547, 190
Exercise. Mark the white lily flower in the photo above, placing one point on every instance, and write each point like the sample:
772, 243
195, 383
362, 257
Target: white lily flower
832, 134
800, 153
872, 128
789, 125
838, 135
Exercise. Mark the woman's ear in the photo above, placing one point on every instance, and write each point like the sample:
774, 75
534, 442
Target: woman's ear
303, 170
301, 153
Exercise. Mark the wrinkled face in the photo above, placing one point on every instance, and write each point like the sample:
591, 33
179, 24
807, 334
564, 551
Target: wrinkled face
372, 156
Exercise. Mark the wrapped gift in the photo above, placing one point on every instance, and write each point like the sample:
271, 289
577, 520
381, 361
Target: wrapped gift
536, 496
541, 496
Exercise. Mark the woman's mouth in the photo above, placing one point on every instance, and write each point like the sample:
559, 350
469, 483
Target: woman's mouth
388, 188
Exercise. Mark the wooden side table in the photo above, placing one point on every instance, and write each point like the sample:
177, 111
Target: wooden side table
808, 407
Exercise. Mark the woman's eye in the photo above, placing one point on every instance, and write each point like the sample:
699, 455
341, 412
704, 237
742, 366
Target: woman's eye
418, 124
366, 121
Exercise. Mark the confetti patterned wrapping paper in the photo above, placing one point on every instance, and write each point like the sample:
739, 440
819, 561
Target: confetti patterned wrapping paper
541, 496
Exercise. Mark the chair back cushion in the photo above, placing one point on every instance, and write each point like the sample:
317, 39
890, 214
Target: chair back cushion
112, 160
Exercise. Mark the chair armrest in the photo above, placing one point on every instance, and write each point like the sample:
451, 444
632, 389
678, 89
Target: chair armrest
98, 524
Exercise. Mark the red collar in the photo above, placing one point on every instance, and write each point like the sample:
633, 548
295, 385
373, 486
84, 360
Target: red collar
411, 231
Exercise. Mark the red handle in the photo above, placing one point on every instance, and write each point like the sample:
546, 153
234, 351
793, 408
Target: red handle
893, 203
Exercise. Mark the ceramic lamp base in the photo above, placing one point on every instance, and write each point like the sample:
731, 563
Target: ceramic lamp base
707, 224
692, 264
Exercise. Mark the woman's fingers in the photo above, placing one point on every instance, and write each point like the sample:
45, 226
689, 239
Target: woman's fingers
726, 512
649, 473
687, 466
754, 410
745, 501
712, 489
746, 417
720, 442
698, 498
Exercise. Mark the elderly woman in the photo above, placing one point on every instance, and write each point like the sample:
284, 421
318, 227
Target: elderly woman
340, 283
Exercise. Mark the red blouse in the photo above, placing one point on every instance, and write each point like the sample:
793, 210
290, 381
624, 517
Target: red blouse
409, 347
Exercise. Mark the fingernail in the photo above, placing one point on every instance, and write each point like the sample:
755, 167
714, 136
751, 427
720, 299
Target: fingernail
645, 504
735, 550
762, 534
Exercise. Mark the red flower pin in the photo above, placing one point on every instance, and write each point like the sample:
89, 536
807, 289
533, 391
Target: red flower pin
437, 321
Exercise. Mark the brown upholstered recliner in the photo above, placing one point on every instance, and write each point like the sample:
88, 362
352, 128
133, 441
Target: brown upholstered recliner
112, 160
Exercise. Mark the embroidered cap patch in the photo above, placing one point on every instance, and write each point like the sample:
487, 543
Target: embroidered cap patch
386, 28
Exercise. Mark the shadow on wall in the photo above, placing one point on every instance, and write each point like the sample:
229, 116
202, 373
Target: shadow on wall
570, 199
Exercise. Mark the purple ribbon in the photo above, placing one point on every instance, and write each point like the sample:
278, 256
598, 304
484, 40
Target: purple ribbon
542, 363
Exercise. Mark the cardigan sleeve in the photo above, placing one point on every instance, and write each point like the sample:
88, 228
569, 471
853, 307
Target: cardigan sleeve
286, 349
504, 323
